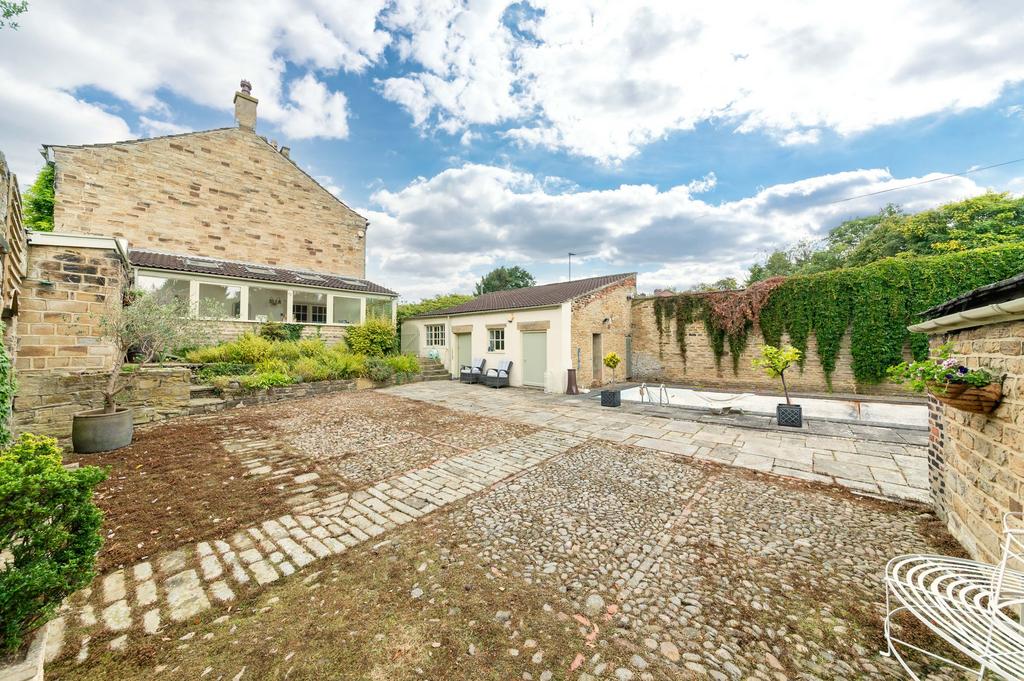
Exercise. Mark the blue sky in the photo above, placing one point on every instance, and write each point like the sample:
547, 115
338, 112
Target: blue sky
680, 142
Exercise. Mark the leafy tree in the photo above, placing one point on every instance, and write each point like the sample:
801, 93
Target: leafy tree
775, 361
38, 201
726, 284
504, 279
439, 302
10, 9
778, 264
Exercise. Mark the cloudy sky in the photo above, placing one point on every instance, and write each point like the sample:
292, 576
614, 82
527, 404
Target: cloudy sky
682, 140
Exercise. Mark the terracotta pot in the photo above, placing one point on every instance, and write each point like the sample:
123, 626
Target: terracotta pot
969, 398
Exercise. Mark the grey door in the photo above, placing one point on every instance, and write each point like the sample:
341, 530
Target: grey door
535, 357
464, 343
598, 358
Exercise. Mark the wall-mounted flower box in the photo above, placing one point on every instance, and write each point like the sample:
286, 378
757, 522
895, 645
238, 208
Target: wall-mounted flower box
978, 400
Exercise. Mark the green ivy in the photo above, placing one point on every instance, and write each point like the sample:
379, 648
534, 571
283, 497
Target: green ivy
875, 303
8, 387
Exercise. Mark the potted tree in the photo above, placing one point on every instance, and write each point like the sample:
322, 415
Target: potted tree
949, 381
149, 327
775, 361
611, 398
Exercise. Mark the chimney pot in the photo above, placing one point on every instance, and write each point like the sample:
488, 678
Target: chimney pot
245, 106
286, 151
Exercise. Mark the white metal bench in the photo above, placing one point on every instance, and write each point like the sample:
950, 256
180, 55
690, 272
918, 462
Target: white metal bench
975, 607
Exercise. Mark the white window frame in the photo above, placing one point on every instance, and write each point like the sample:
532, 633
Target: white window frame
289, 291
496, 338
436, 335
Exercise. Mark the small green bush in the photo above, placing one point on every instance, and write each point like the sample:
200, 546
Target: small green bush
273, 331
210, 355
49, 527
375, 338
378, 370
209, 371
265, 379
311, 347
286, 350
310, 369
272, 366
345, 365
404, 364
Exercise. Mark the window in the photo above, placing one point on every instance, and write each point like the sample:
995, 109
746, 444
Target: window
309, 308
164, 288
379, 308
220, 302
346, 310
267, 304
495, 340
435, 335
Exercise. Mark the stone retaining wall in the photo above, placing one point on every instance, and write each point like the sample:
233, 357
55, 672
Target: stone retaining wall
230, 330
976, 461
47, 400
656, 357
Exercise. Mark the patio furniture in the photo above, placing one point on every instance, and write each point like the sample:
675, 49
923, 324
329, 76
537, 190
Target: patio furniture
471, 373
498, 378
973, 606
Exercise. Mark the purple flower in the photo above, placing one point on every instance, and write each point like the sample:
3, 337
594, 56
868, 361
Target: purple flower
949, 363
962, 370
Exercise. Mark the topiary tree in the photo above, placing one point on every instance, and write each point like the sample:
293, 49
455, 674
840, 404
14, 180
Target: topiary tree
775, 361
612, 360
49, 534
374, 338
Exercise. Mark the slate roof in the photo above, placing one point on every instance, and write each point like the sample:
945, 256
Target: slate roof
244, 270
533, 296
999, 292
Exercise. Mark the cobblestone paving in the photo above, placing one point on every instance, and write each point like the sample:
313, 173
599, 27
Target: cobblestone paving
894, 469
710, 572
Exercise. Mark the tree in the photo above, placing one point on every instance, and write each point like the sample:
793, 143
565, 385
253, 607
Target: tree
726, 284
38, 201
439, 302
504, 279
775, 361
10, 9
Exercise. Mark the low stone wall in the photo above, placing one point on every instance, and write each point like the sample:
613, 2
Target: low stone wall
47, 400
228, 330
656, 357
976, 461
238, 397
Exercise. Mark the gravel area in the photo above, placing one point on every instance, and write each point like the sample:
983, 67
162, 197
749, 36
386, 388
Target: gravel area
706, 570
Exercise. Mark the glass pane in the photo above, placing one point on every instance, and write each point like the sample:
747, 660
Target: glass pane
346, 310
220, 302
172, 289
309, 307
267, 304
378, 307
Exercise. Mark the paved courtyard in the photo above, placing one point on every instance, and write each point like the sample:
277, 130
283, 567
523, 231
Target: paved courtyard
657, 548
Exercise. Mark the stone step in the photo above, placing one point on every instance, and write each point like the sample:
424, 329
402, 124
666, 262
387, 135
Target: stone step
202, 390
204, 405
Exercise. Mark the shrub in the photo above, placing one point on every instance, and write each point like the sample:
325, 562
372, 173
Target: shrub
375, 338
210, 371
210, 355
265, 379
272, 366
248, 349
404, 365
310, 369
286, 350
273, 331
378, 369
49, 527
343, 365
311, 347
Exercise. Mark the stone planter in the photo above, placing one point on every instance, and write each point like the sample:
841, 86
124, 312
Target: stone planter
611, 398
29, 667
95, 431
969, 398
791, 415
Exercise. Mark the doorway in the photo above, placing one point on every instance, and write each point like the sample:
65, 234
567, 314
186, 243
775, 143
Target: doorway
598, 356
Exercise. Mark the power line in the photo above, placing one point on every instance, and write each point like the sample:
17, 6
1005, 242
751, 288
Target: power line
934, 179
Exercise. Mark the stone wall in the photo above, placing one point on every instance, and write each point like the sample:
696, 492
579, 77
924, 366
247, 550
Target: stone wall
976, 461
588, 315
47, 400
221, 193
656, 357
65, 293
230, 330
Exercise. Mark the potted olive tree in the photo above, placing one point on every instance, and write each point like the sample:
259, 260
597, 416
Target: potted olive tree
149, 327
775, 361
611, 398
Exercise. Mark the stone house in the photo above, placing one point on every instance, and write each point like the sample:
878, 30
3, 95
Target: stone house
222, 218
544, 330
976, 461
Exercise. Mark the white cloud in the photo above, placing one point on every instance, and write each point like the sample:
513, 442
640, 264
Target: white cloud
602, 79
151, 127
440, 234
140, 52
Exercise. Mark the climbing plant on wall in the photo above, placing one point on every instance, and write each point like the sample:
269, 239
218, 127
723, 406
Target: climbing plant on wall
7, 390
875, 303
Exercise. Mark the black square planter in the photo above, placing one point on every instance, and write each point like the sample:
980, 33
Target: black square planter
611, 398
789, 415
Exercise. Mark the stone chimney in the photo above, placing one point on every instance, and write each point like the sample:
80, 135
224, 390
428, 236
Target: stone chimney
286, 152
245, 106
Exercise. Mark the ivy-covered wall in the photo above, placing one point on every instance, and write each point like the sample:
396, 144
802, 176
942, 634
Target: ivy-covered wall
851, 324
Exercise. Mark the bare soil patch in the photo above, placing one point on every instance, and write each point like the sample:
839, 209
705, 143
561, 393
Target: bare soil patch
176, 484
